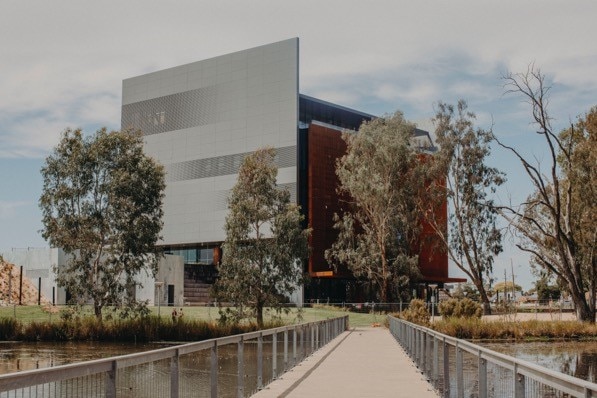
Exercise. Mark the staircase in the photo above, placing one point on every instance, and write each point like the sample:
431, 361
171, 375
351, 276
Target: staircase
198, 280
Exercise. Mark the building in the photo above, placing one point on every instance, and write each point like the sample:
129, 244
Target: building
201, 119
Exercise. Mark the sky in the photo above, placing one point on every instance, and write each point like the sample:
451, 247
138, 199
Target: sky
62, 64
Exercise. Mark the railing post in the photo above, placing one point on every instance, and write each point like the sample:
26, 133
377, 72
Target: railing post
214, 370
482, 376
286, 349
446, 349
312, 338
428, 358
260, 361
435, 371
301, 342
317, 335
294, 346
420, 347
174, 375
274, 356
519, 382
423, 351
111, 381
241, 370
459, 373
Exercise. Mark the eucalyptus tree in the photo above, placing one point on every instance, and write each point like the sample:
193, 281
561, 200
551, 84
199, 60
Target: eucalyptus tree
557, 222
265, 243
102, 204
460, 175
381, 177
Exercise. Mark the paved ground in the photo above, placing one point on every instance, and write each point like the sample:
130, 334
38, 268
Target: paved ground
364, 362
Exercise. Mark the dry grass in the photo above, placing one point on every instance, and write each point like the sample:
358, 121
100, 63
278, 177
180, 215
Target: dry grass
476, 329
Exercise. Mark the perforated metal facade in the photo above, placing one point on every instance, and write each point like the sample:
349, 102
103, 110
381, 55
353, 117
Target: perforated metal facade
201, 119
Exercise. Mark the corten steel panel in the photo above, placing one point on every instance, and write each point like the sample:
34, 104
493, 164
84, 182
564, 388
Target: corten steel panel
433, 259
325, 146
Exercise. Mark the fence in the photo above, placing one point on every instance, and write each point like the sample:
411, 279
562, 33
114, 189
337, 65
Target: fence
458, 368
230, 366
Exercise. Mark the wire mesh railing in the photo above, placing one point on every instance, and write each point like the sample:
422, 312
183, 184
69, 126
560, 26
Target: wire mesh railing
458, 368
233, 366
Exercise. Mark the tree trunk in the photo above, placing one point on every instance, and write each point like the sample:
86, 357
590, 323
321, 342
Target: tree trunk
97, 308
383, 294
259, 314
484, 300
583, 311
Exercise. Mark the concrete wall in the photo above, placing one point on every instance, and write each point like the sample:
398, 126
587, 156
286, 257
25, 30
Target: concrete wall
38, 263
201, 119
171, 272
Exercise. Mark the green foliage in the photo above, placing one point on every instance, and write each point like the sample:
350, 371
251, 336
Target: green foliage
545, 290
381, 177
265, 243
467, 290
464, 308
473, 239
506, 287
417, 312
102, 204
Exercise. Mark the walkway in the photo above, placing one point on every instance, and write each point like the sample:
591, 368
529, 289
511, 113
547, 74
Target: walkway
363, 362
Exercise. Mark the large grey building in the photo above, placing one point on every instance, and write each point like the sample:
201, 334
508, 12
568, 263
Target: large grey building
201, 119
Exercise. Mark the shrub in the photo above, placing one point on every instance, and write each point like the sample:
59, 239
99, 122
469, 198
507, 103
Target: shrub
10, 329
465, 308
417, 312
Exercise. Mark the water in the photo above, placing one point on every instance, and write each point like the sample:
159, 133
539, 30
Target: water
19, 356
151, 379
574, 358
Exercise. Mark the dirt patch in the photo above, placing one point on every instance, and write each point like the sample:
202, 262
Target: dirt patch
9, 287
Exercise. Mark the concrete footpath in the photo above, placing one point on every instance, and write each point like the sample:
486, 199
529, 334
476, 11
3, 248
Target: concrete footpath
363, 362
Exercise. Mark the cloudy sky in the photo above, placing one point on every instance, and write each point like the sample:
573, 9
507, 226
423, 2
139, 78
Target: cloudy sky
62, 65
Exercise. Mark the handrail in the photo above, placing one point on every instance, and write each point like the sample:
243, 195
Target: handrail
298, 342
421, 343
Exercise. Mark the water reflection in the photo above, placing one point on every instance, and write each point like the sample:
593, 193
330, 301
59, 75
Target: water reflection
575, 358
149, 379
19, 356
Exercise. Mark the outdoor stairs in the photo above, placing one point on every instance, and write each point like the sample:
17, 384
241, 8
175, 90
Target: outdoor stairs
196, 293
198, 280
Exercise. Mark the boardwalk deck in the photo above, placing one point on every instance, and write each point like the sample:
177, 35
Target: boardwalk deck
363, 362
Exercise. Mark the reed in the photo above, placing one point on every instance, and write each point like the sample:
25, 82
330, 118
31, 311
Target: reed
127, 330
10, 328
477, 329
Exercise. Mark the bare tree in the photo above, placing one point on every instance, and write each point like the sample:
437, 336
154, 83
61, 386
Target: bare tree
547, 221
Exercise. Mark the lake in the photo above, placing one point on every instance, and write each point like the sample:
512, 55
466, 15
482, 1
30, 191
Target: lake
575, 358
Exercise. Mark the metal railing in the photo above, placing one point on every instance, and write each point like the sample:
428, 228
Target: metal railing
229, 366
458, 368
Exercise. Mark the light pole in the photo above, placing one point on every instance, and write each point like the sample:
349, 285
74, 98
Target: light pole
159, 285
433, 299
